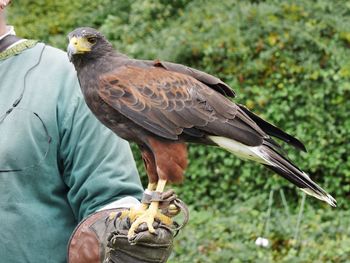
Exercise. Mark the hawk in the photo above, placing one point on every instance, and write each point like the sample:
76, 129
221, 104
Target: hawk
161, 105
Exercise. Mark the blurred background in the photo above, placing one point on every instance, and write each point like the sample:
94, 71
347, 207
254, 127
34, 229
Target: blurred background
289, 62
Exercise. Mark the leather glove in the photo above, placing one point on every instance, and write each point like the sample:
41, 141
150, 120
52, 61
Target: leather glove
143, 247
101, 238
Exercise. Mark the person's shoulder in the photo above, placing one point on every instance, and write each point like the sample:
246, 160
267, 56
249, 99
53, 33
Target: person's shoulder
56, 56
58, 70
53, 51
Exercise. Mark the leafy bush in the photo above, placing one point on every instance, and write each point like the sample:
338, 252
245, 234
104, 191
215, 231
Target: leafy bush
287, 60
230, 236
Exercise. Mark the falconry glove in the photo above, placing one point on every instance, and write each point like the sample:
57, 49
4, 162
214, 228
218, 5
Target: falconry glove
144, 247
102, 237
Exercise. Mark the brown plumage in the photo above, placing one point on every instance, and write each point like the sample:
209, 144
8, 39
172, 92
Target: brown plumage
161, 105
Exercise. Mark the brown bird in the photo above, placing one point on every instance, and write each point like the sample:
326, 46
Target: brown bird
161, 105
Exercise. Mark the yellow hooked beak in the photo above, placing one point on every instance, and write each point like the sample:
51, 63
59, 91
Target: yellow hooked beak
78, 45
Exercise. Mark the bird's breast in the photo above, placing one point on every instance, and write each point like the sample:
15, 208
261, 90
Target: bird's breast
110, 117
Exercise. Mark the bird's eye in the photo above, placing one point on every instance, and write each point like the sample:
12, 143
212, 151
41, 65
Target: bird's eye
91, 40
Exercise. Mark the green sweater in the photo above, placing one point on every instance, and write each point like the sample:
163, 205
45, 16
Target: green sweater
82, 168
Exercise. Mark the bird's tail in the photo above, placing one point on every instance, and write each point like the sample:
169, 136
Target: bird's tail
267, 155
292, 173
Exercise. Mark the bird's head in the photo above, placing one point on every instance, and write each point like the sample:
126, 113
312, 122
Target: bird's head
86, 42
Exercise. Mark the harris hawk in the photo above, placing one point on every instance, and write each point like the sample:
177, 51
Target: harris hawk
161, 105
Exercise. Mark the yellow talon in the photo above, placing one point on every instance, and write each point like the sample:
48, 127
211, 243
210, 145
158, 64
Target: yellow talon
112, 215
164, 219
148, 217
146, 214
140, 216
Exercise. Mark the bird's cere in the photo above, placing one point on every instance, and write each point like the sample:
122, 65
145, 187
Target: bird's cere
78, 45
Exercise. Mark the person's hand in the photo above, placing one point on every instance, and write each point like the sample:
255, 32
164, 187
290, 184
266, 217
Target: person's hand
4, 3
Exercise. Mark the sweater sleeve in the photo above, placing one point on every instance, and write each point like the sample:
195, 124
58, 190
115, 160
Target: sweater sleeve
97, 165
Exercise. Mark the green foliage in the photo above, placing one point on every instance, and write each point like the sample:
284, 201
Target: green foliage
230, 236
287, 60
51, 21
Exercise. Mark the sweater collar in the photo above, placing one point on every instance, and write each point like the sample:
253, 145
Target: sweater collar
16, 47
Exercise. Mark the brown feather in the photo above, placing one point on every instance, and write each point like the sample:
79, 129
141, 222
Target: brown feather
201, 76
170, 159
164, 102
150, 165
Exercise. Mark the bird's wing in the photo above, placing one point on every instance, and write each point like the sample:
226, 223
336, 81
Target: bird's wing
209, 80
273, 130
161, 101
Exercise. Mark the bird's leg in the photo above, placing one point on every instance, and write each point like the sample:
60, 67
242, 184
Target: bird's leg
150, 214
134, 212
150, 187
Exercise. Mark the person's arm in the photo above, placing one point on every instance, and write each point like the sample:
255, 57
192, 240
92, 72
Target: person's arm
97, 166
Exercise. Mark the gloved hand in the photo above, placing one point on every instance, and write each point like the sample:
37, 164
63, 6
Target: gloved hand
144, 247
103, 238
